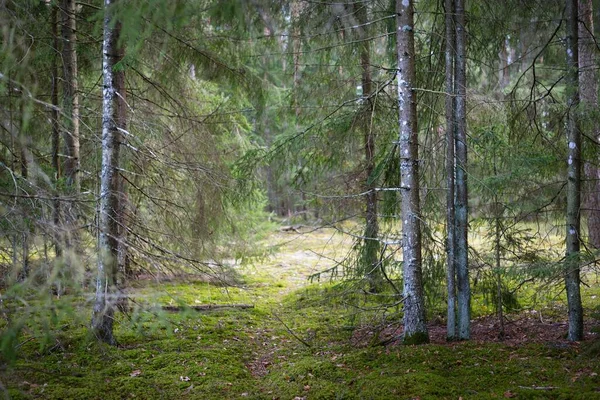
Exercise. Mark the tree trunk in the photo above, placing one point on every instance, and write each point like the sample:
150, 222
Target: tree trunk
71, 95
54, 116
370, 256
504, 56
461, 204
121, 120
588, 93
70, 124
415, 329
450, 167
573, 178
108, 247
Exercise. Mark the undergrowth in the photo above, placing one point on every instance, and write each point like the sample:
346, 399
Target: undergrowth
299, 341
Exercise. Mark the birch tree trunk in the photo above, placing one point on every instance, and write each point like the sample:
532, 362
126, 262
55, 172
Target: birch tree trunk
450, 167
108, 249
573, 178
461, 204
415, 329
588, 93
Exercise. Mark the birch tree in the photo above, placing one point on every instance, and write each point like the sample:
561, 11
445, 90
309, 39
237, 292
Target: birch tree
572, 278
104, 304
415, 329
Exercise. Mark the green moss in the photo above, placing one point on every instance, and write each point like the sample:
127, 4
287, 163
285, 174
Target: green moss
256, 353
417, 338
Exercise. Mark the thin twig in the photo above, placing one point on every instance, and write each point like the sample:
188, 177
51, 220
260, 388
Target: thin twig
291, 332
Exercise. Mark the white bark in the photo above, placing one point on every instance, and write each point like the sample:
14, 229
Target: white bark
104, 305
415, 328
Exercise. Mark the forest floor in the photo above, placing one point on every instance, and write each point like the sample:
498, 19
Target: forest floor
301, 340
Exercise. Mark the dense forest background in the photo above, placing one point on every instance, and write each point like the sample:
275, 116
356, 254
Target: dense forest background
454, 143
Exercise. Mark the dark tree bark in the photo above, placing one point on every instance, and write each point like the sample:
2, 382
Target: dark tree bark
108, 246
71, 95
370, 256
461, 204
450, 167
55, 118
572, 279
70, 124
415, 328
588, 93
121, 120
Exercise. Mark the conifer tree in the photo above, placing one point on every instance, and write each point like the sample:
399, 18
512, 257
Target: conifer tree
572, 278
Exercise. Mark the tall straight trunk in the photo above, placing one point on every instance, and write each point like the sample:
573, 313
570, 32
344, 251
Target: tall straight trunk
296, 43
24, 163
70, 120
71, 95
108, 248
54, 116
588, 93
461, 204
573, 178
121, 120
450, 166
504, 56
415, 328
370, 256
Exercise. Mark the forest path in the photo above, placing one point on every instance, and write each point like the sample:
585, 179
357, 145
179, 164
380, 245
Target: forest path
298, 254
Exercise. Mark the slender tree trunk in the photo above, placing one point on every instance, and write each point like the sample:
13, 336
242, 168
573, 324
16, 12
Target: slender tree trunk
503, 73
70, 128
588, 93
104, 305
54, 116
370, 256
121, 120
573, 178
24, 161
461, 204
71, 95
415, 328
450, 167
296, 43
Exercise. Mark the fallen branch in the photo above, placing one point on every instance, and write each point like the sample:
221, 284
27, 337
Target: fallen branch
290, 228
539, 387
291, 332
206, 307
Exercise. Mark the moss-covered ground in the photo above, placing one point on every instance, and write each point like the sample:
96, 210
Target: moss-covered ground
301, 340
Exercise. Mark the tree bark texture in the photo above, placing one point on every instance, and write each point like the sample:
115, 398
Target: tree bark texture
370, 258
450, 167
461, 203
588, 93
70, 128
55, 118
573, 177
123, 204
106, 291
415, 328
71, 95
